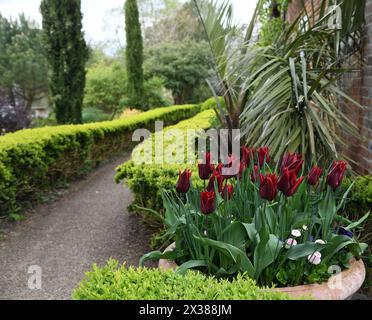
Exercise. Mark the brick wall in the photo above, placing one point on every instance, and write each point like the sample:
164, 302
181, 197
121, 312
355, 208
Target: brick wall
359, 86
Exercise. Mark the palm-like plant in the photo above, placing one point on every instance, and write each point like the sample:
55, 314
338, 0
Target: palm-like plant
286, 95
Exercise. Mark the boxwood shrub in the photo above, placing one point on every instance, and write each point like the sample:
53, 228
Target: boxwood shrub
114, 282
33, 161
146, 181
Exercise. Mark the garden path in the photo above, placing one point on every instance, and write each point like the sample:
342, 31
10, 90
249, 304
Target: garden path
89, 224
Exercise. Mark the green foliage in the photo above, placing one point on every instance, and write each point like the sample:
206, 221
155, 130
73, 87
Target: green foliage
67, 54
93, 114
147, 181
35, 160
271, 19
360, 196
106, 87
114, 282
134, 54
23, 67
183, 65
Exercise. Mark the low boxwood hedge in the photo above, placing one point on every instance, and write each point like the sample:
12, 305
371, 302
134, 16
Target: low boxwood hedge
146, 181
114, 282
33, 161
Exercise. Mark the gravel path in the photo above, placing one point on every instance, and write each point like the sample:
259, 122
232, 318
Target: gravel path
88, 225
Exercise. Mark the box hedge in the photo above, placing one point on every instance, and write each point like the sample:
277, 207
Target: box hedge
147, 181
33, 161
114, 282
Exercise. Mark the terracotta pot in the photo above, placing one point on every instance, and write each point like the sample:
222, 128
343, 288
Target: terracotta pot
339, 287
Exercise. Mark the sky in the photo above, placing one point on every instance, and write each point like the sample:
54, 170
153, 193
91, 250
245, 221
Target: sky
99, 24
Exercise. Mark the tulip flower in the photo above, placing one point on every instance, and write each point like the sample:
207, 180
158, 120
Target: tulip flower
207, 202
215, 177
227, 191
292, 162
205, 169
263, 156
268, 187
183, 184
247, 155
336, 174
314, 175
320, 241
288, 182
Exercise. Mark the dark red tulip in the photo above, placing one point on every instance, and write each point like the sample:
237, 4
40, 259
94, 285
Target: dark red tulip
314, 175
336, 174
207, 202
263, 156
242, 168
205, 168
247, 155
183, 184
219, 168
227, 191
215, 177
254, 174
268, 187
292, 161
288, 182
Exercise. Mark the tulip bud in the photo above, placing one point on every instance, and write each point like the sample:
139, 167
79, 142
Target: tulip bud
263, 156
336, 174
183, 184
314, 175
207, 202
268, 187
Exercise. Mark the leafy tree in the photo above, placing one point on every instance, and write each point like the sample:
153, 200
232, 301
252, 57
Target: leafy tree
106, 87
67, 54
23, 67
182, 65
134, 54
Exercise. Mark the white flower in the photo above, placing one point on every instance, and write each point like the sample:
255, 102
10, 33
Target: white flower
290, 242
304, 227
320, 241
296, 233
315, 258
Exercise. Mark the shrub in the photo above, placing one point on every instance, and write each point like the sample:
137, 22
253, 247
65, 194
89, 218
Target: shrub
94, 114
147, 181
37, 160
112, 282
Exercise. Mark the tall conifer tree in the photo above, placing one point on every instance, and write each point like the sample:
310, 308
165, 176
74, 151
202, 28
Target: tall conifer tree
67, 54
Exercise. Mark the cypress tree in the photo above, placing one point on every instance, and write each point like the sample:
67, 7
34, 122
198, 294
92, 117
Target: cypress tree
134, 54
67, 54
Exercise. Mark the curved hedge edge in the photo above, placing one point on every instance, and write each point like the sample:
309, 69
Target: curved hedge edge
114, 282
33, 161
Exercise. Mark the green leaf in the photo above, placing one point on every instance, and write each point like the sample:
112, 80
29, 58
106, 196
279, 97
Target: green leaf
355, 224
234, 253
302, 250
157, 255
191, 264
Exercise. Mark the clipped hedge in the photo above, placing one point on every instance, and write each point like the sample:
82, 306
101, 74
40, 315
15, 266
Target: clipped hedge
146, 181
112, 282
33, 161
